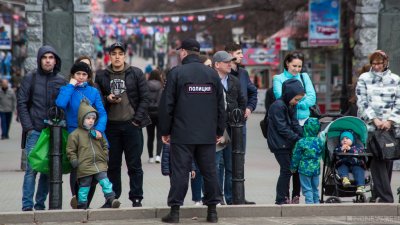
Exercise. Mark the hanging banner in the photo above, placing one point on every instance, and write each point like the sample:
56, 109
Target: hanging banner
5, 35
260, 56
324, 22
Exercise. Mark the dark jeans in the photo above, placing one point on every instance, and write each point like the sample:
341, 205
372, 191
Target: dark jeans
282, 186
181, 157
224, 170
127, 139
357, 171
5, 118
151, 130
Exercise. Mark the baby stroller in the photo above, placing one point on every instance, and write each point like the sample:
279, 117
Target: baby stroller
331, 182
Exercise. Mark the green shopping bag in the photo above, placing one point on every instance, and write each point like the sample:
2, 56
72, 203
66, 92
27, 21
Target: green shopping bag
39, 156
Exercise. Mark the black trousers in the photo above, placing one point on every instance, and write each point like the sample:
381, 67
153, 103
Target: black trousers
282, 186
381, 172
181, 157
125, 139
151, 131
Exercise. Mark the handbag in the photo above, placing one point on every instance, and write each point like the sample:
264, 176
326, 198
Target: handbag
384, 145
314, 110
39, 156
264, 127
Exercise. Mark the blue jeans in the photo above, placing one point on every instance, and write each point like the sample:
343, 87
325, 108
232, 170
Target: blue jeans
197, 186
357, 171
28, 187
309, 187
223, 162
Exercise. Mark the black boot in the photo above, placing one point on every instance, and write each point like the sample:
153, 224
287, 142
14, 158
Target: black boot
82, 205
172, 216
212, 216
111, 202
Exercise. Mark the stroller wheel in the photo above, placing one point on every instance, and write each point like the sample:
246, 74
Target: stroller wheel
333, 199
361, 198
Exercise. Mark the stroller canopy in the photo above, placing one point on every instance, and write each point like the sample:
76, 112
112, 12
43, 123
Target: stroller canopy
348, 123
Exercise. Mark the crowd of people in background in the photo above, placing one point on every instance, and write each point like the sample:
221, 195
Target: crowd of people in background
122, 99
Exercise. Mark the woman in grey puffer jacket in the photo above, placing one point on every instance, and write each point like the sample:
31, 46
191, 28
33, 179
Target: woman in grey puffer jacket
155, 90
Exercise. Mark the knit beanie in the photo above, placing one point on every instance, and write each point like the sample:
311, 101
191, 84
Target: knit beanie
81, 66
347, 134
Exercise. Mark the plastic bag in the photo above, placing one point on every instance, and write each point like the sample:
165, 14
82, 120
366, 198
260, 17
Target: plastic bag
39, 156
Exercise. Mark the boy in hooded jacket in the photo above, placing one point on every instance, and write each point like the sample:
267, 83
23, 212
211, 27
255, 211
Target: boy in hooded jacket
283, 133
89, 155
306, 160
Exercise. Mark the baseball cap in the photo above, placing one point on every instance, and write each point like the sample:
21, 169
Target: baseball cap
190, 44
117, 45
222, 56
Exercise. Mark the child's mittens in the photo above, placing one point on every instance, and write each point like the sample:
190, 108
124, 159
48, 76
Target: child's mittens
74, 163
92, 133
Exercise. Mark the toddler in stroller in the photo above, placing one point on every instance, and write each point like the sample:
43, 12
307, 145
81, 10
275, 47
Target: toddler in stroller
350, 163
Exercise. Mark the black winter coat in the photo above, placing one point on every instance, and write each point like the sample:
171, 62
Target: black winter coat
33, 107
234, 97
155, 91
137, 91
283, 128
192, 105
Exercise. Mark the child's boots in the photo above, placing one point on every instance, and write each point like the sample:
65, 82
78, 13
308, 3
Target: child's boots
82, 205
111, 202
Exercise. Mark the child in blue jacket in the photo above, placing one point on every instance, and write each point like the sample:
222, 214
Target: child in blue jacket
306, 160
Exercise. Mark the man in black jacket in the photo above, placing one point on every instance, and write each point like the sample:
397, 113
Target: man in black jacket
35, 97
124, 89
191, 114
234, 100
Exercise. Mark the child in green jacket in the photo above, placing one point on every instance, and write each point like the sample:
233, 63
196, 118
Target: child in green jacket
88, 153
306, 160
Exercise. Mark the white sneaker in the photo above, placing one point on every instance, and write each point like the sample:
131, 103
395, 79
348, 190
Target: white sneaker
198, 203
151, 160
158, 159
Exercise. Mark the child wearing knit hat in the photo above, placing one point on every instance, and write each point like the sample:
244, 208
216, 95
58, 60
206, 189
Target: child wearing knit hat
353, 164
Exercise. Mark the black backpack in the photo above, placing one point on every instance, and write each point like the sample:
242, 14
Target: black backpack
269, 99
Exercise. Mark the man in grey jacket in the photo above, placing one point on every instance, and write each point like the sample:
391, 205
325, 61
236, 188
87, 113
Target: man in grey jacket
35, 97
7, 107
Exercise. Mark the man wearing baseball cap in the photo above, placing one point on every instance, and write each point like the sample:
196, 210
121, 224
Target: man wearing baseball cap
234, 99
192, 120
125, 94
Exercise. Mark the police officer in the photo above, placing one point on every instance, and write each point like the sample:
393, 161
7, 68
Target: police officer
192, 121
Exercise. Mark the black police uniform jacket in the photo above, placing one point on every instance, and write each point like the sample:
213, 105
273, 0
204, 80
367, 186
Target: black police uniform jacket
192, 108
284, 129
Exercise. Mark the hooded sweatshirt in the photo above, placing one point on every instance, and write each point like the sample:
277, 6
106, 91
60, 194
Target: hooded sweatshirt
308, 150
91, 153
33, 107
284, 129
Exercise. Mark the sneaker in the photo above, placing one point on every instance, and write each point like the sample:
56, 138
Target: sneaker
199, 203
151, 160
27, 209
158, 159
346, 182
74, 202
295, 200
360, 190
136, 203
115, 204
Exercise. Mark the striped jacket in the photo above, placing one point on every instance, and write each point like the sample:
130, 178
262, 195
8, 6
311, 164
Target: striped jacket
378, 96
